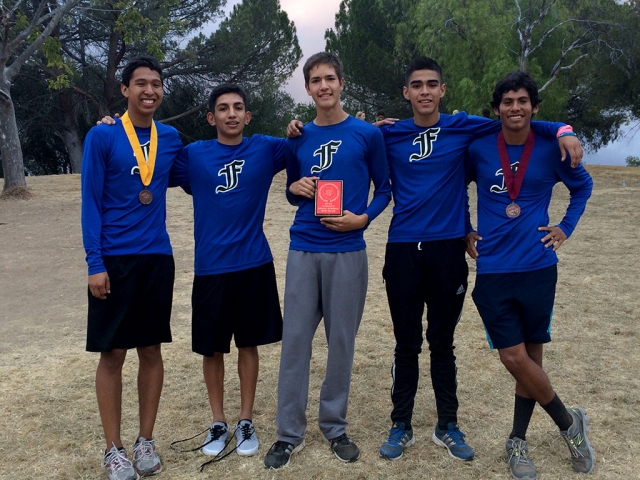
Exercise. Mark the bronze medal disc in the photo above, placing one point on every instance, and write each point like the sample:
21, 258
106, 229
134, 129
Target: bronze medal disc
145, 197
513, 210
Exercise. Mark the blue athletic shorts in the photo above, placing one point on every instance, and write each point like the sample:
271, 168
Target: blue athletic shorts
516, 307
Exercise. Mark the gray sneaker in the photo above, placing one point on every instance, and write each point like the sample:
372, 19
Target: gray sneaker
118, 466
246, 439
583, 458
344, 449
516, 454
145, 457
216, 439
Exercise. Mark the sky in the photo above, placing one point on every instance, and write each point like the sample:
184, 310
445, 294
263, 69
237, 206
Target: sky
312, 18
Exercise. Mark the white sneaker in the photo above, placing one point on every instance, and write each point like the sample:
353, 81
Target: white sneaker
146, 458
246, 439
216, 438
118, 466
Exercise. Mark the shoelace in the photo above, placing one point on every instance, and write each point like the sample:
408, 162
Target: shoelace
456, 436
396, 435
569, 441
341, 440
216, 433
143, 449
117, 459
521, 453
247, 431
572, 448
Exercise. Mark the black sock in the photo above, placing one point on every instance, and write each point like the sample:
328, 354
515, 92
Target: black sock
558, 413
522, 411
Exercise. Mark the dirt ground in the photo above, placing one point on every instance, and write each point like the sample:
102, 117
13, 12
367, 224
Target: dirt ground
50, 427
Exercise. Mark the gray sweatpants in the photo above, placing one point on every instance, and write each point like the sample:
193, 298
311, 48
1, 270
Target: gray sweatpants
333, 286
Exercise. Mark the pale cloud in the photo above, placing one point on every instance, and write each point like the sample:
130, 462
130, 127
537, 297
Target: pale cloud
311, 20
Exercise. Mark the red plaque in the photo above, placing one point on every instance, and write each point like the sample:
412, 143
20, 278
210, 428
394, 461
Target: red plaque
328, 198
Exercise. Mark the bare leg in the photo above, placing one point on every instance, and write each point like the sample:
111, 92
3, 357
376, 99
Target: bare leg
213, 369
531, 380
150, 379
534, 350
109, 393
248, 366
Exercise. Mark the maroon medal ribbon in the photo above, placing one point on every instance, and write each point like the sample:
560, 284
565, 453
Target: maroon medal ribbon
514, 182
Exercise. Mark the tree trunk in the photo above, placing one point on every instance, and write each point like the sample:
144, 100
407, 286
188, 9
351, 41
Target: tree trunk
71, 132
74, 149
10, 149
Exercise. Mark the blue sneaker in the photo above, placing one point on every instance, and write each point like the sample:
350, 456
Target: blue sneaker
453, 439
399, 439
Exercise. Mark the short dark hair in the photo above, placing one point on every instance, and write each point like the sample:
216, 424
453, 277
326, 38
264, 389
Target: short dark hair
225, 88
515, 81
422, 63
142, 61
322, 58
380, 112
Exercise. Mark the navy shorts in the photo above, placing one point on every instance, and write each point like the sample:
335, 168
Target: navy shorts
137, 312
516, 307
243, 305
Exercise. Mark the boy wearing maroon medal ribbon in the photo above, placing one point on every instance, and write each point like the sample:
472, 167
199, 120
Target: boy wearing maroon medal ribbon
125, 174
514, 246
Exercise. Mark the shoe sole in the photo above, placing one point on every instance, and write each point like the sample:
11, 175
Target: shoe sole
505, 457
408, 444
440, 443
149, 474
347, 461
211, 453
582, 414
247, 453
295, 450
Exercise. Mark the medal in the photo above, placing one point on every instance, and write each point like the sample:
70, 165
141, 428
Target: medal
145, 197
513, 210
147, 165
514, 182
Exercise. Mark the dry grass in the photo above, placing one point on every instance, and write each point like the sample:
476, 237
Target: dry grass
16, 192
50, 427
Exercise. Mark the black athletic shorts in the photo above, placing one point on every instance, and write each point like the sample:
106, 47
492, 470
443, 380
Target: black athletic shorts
243, 305
516, 307
137, 312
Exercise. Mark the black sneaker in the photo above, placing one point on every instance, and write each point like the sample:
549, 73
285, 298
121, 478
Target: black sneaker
344, 449
280, 453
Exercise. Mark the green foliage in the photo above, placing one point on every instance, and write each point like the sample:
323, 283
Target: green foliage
305, 112
584, 54
364, 38
632, 161
271, 110
256, 46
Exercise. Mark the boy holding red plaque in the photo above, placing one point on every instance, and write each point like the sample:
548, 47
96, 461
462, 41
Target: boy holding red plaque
234, 290
125, 174
326, 274
515, 172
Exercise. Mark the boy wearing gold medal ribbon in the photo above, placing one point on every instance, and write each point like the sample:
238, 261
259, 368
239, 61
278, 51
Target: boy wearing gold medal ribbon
125, 175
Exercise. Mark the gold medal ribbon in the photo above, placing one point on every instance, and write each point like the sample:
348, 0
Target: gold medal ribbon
146, 167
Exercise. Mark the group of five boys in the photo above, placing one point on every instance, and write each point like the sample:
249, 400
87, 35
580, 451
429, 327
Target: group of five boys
425, 161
